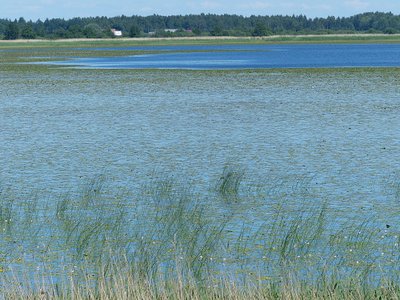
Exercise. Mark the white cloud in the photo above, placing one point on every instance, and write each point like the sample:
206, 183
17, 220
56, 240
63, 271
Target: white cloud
255, 5
210, 4
305, 6
47, 2
357, 4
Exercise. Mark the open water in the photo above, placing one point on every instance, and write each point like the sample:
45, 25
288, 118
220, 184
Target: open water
248, 57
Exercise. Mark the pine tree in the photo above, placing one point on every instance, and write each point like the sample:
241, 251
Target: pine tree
12, 31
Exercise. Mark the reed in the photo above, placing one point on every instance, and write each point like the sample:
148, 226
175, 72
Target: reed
123, 283
168, 241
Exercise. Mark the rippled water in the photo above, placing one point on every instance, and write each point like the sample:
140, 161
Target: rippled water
338, 127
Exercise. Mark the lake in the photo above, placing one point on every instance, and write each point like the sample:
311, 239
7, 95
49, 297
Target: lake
247, 57
300, 136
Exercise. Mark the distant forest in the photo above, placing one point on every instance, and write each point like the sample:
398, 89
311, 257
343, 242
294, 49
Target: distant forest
196, 25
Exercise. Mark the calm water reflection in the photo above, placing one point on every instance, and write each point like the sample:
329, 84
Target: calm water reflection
248, 57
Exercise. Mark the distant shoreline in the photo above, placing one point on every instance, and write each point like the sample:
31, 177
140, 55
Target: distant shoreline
271, 38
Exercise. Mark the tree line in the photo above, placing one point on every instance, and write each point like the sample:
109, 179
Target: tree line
197, 25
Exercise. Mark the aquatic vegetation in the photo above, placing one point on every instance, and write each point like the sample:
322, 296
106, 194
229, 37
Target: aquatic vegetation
171, 239
229, 183
6, 211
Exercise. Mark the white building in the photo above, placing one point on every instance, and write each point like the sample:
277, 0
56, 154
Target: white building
116, 32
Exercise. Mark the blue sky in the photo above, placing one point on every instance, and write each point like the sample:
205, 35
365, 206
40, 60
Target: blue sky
35, 9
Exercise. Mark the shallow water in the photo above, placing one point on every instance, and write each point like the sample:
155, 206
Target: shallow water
304, 136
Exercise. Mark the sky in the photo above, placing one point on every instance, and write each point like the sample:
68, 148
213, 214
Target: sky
42, 9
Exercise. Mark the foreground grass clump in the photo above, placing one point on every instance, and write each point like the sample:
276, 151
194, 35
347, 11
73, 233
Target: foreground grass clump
121, 283
240, 239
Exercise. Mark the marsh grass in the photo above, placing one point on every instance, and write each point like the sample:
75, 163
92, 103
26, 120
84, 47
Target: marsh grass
121, 283
168, 241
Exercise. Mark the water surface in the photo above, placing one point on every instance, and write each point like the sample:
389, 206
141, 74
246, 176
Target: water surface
301, 136
247, 57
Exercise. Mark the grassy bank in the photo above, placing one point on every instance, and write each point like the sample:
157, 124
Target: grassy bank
331, 38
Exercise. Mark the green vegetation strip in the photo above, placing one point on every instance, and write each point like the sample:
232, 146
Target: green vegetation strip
332, 38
